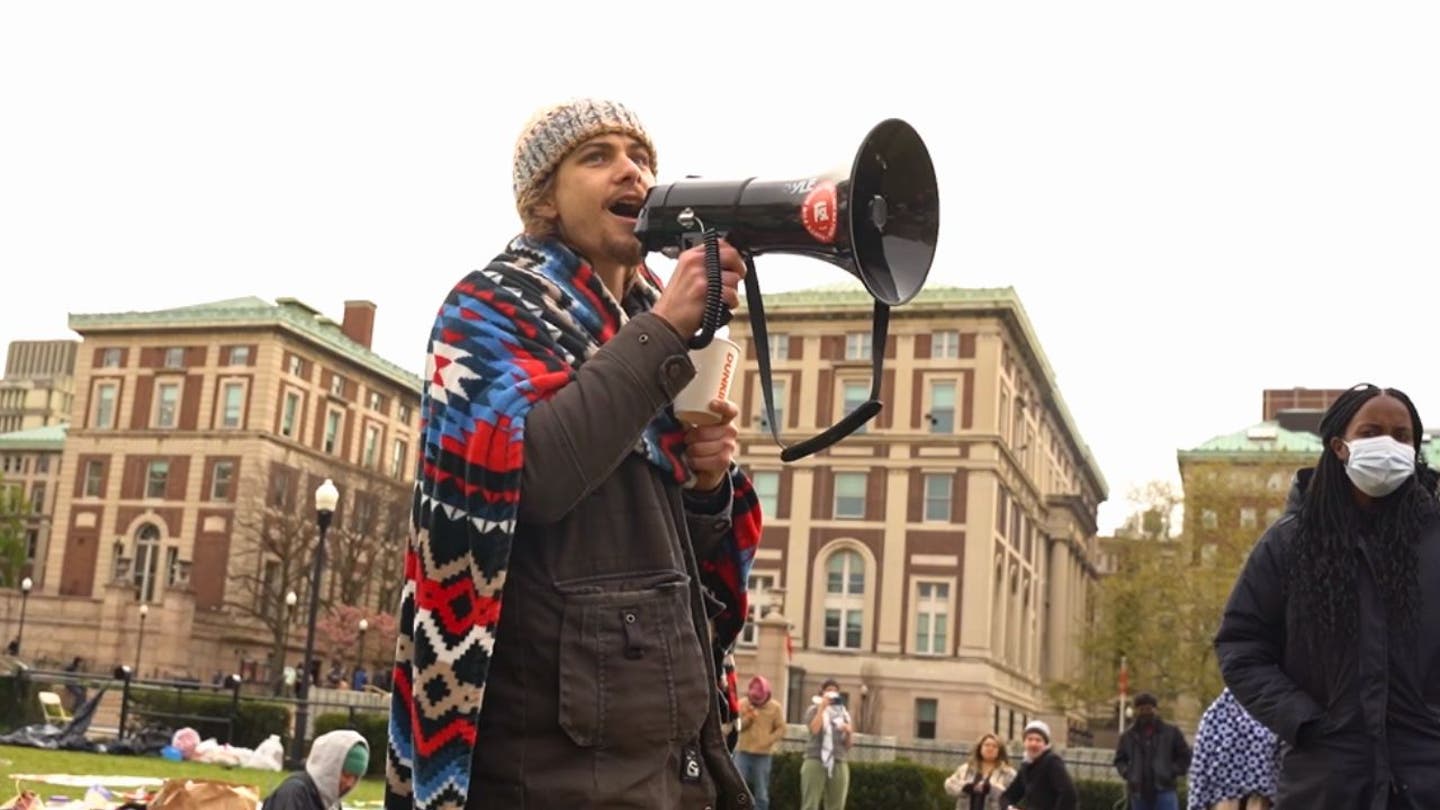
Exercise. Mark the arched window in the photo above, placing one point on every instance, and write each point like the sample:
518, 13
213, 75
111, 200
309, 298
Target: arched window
147, 561
844, 600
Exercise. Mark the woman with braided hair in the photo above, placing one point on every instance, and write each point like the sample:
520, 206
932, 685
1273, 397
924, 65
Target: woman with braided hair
1331, 637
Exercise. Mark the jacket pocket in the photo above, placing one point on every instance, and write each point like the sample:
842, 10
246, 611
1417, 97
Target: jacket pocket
632, 675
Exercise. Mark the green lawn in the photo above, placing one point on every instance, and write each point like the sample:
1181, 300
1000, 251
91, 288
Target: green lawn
15, 760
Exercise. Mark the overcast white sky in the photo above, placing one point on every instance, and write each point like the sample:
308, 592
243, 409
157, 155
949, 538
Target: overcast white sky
1193, 201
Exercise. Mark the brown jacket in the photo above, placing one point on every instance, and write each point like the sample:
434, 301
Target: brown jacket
602, 689
759, 734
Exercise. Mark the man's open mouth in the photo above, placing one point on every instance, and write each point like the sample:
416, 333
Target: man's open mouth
627, 208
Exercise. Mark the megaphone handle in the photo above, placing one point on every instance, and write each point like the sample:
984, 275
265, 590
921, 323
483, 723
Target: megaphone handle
715, 312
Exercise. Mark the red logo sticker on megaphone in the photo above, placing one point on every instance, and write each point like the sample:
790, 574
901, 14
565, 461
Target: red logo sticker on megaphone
818, 212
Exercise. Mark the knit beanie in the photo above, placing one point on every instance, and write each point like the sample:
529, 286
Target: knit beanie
357, 761
1039, 727
552, 132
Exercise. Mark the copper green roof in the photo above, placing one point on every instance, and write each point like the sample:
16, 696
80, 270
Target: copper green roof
1265, 438
286, 313
850, 294
849, 297
1267, 441
50, 437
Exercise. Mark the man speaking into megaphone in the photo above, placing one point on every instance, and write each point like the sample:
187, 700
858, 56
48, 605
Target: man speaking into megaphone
578, 556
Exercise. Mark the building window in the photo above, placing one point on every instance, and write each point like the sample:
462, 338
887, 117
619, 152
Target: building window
1271, 515
32, 544
37, 497
926, 710
239, 356
157, 479
932, 618
938, 489
221, 479
767, 490
279, 489
175, 357
857, 346
105, 394
147, 562
945, 345
167, 404
290, 414
94, 470
295, 365
337, 386
844, 600
779, 400
1249, 518
1276, 482
397, 459
268, 596
110, 358
332, 431
363, 515
850, 495
234, 404
942, 407
759, 607
372, 447
375, 402
1208, 519
855, 394
779, 346
42, 463
405, 414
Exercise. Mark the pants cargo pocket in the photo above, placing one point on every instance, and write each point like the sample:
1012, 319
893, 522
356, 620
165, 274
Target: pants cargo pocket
631, 672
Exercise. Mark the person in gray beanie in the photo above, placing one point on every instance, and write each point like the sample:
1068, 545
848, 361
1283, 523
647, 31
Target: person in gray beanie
578, 555
1043, 783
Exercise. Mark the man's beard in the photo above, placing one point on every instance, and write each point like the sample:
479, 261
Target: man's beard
624, 250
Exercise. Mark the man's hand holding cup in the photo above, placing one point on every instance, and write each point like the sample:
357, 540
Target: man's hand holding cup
709, 449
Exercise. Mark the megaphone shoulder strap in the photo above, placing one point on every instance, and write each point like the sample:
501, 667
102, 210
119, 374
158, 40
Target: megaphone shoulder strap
851, 422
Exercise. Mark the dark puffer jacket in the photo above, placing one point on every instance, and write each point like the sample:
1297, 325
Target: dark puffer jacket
1361, 719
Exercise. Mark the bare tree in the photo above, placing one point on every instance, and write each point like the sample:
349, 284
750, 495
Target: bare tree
367, 554
272, 556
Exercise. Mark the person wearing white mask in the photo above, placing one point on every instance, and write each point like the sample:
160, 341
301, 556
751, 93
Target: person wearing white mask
1331, 636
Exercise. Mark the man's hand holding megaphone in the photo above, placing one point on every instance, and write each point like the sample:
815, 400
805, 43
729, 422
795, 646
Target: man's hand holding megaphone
709, 449
682, 303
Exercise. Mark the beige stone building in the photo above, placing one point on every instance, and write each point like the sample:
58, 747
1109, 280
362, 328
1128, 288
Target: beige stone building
30, 475
39, 384
939, 563
197, 438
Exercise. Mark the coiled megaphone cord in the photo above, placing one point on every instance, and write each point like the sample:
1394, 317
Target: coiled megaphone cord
715, 314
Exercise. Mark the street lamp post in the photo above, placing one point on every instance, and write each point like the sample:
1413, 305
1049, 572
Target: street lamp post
326, 499
290, 600
360, 658
140, 642
25, 585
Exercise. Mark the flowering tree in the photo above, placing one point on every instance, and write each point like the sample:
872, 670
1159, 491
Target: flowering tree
337, 637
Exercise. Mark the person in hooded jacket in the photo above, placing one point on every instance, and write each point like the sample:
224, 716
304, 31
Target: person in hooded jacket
337, 761
1331, 636
762, 727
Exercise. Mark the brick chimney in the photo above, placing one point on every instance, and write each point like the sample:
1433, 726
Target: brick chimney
359, 323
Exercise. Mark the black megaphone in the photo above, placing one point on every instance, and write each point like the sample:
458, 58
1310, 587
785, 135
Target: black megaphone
879, 222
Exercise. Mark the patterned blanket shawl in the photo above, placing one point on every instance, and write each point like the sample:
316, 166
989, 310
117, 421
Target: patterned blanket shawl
1235, 756
506, 337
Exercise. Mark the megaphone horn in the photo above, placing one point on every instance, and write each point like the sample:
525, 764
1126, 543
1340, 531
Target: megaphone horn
878, 222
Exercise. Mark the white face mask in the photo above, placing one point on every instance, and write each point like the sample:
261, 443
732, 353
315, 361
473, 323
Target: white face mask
1379, 465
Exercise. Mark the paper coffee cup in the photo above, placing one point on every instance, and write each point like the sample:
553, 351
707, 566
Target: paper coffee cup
715, 368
